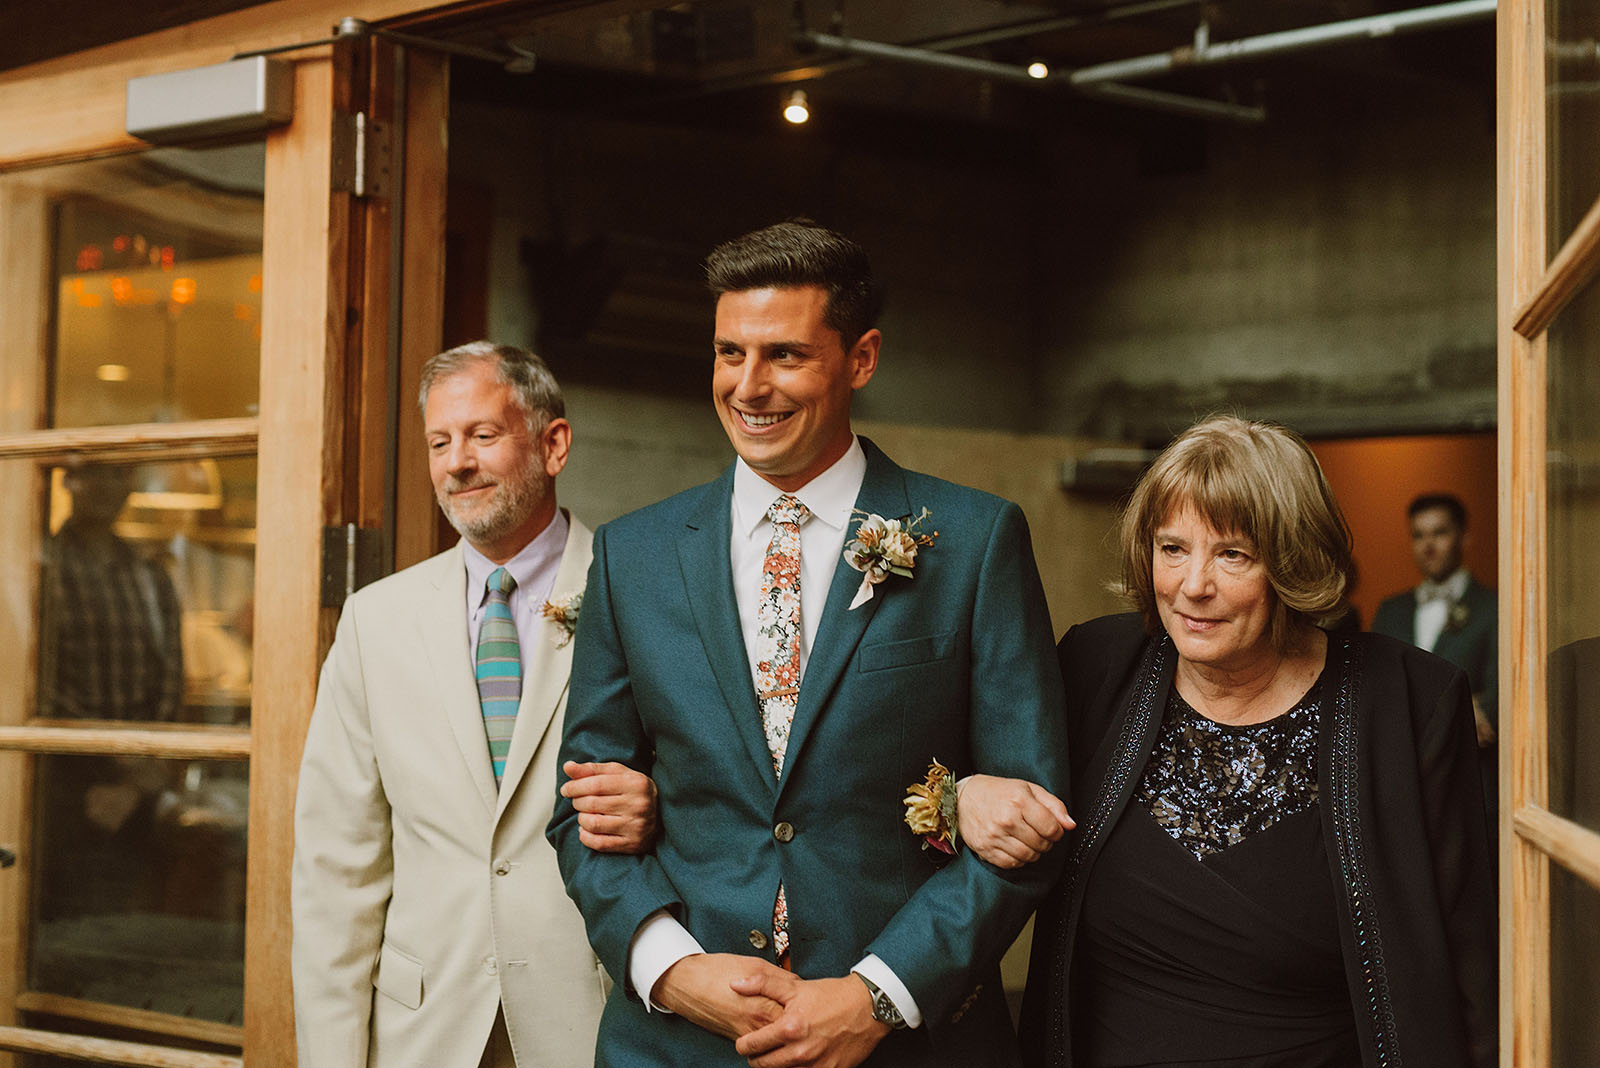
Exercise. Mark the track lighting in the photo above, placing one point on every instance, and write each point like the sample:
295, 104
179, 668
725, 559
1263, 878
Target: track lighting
795, 108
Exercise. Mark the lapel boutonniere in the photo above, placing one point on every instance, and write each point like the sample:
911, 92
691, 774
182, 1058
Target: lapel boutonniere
884, 547
1458, 615
563, 612
931, 809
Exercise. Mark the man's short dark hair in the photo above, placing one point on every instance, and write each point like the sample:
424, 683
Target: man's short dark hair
797, 253
1447, 501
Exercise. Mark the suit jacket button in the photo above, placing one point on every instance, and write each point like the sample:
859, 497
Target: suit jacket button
502, 867
491, 965
784, 832
758, 939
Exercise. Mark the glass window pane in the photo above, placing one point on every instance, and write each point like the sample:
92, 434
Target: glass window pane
1572, 111
154, 284
1574, 970
1573, 532
138, 891
147, 591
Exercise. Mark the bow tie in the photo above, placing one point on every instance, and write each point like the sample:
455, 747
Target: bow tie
1432, 591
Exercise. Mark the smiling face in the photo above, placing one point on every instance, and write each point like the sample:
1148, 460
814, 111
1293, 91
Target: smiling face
1212, 593
783, 380
495, 482
1436, 543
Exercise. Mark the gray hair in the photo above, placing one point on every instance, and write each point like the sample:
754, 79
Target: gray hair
530, 380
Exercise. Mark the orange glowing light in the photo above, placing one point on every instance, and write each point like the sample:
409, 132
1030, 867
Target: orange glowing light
121, 290
167, 257
183, 290
119, 243
255, 283
243, 312
89, 300
91, 258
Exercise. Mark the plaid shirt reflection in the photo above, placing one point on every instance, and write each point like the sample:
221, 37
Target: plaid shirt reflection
111, 646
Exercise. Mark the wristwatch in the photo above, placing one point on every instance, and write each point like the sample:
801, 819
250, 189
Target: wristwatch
883, 1009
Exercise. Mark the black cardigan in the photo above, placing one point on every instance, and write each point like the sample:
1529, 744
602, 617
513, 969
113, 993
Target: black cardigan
1402, 813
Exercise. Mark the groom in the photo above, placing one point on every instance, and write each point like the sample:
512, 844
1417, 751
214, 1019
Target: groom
784, 704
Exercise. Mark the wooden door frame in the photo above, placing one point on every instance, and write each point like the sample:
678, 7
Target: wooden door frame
1532, 293
327, 344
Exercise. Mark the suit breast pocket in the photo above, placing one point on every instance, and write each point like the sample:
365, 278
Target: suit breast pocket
399, 976
907, 652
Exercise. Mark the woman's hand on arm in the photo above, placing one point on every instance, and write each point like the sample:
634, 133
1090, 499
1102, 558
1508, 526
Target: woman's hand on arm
1009, 822
616, 806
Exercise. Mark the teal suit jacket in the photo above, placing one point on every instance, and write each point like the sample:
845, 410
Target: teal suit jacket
955, 663
1473, 646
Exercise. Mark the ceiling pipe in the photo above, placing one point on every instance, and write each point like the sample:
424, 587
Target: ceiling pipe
1175, 103
1204, 53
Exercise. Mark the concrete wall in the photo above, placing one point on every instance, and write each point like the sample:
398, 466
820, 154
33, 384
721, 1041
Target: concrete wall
1333, 269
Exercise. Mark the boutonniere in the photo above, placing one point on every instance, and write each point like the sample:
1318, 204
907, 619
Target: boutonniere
884, 547
1458, 615
931, 809
563, 612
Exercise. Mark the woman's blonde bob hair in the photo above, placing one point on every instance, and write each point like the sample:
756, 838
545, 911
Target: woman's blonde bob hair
1259, 481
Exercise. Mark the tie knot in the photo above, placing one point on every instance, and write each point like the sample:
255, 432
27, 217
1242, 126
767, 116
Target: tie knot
1432, 591
787, 509
501, 582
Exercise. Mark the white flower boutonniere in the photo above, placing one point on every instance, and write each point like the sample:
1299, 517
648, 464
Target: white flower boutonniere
884, 547
563, 612
1458, 616
931, 809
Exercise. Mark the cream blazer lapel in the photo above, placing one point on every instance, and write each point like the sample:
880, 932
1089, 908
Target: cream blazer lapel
549, 665
440, 627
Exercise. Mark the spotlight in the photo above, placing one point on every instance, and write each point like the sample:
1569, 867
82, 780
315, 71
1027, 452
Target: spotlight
1038, 69
795, 108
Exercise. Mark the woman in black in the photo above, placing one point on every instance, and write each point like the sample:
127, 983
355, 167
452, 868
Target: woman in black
1280, 858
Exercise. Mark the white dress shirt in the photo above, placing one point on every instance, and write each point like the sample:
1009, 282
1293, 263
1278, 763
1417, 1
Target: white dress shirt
534, 568
661, 940
1433, 606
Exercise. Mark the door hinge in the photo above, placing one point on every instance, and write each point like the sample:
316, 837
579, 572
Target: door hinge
352, 557
362, 150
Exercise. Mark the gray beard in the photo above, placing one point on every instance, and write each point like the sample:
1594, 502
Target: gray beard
515, 499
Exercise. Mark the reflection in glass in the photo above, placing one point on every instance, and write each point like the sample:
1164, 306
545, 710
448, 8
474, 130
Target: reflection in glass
147, 592
1574, 970
156, 285
139, 883
1573, 530
1572, 111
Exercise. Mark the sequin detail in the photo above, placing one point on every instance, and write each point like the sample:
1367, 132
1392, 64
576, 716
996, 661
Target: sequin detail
1210, 786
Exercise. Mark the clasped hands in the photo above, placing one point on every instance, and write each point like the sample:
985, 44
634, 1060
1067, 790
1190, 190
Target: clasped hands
776, 1018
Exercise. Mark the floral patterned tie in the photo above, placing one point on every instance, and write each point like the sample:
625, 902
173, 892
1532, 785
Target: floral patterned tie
778, 654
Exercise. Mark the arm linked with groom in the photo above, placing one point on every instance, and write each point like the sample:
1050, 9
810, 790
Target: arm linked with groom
787, 914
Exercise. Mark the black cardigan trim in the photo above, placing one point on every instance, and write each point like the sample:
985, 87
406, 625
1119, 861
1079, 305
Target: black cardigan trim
1344, 809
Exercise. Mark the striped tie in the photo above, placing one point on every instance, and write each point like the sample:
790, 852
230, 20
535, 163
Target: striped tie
498, 666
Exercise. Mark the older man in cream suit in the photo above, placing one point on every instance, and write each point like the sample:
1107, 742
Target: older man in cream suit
431, 927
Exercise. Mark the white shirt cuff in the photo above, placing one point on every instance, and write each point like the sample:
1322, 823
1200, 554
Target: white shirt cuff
881, 974
659, 943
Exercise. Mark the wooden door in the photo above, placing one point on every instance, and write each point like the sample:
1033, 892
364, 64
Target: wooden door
203, 357
1549, 198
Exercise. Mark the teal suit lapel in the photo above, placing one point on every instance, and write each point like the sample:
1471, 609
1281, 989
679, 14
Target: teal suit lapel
708, 582
883, 491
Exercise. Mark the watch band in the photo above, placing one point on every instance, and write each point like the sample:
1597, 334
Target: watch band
883, 1006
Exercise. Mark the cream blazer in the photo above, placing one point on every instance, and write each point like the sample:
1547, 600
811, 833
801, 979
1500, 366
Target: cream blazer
422, 897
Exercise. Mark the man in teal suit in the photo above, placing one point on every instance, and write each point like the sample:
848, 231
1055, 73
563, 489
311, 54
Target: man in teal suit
1453, 615
787, 914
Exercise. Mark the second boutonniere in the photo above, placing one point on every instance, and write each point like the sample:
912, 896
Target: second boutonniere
1458, 615
563, 612
883, 547
931, 809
